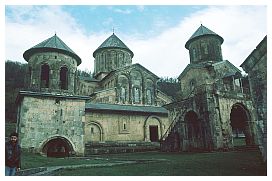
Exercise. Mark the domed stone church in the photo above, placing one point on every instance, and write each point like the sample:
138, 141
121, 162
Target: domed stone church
61, 113
121, 109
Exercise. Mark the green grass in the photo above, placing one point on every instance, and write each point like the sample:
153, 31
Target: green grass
181, 164
30, 160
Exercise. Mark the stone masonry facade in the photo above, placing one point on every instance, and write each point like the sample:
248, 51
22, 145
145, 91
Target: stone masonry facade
121, 109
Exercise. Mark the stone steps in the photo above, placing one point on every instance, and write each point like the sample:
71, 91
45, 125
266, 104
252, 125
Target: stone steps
246, 148
92, 148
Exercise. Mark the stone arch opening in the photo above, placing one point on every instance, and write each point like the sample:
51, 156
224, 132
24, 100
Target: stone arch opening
94, 132
64, 78
45, 76
193, 130
57, 147
152, 129
240, 124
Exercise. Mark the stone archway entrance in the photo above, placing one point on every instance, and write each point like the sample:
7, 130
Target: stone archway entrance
193, 130
152, 129
240, 124
57, 147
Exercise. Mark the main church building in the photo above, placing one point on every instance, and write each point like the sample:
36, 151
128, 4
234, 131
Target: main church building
121, 109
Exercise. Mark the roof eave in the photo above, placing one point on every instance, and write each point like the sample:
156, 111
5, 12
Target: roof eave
28, 53
102, 48
198, 37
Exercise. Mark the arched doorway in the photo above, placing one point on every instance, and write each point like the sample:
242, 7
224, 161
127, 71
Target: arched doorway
239, 121
152, 129
193, 132
57, 147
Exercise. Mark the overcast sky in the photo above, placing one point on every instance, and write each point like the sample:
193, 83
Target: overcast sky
155, 34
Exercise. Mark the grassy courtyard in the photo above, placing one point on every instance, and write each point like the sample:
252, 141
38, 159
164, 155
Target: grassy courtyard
166, 164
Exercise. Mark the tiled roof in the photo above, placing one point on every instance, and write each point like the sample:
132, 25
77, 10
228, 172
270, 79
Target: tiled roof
53, 43
202, 31
126, 108
113, 42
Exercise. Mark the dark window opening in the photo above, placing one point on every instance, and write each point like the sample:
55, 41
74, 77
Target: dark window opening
57, 101
45, 76
64, 78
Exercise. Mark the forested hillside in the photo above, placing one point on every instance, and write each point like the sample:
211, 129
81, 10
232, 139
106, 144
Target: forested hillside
14, 82
170, 87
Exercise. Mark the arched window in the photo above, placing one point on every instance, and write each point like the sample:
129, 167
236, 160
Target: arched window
192, 84
136, 91
64, 78
123, 95
45, 76
149, 96
194, 54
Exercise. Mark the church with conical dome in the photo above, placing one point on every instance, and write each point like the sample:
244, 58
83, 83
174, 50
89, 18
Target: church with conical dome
120, 109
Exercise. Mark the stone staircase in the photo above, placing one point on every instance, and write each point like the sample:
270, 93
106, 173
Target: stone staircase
110, 147
169, 141
246, 148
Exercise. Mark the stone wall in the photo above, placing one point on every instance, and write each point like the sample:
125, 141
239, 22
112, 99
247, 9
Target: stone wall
195, 79
41, 119
256, 67
110, 126
86, 88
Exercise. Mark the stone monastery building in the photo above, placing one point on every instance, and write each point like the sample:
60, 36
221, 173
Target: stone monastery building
121, 108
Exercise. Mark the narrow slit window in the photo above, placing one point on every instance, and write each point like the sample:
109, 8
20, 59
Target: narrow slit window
45, 76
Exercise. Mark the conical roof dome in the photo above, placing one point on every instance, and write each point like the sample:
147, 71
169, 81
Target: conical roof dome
113, 42
53, 44
202, 31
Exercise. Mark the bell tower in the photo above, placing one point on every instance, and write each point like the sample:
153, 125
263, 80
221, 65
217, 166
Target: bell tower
52, 66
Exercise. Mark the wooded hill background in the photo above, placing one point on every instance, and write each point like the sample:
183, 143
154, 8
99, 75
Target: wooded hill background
15, 81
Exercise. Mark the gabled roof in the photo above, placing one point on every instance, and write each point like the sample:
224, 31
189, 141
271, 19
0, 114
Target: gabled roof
113, 42
192, 66
52, 44
202, 31
136, 65
215, 65
227, 63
